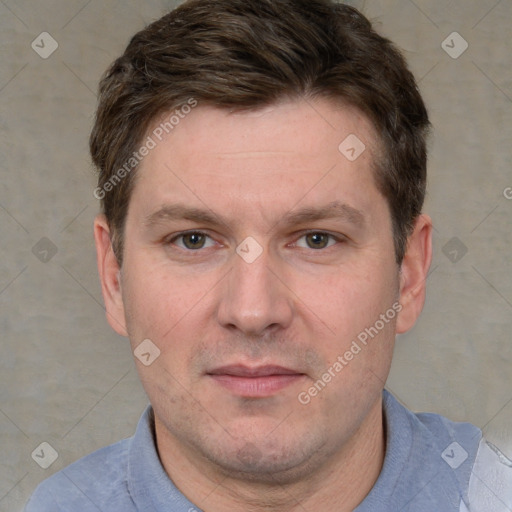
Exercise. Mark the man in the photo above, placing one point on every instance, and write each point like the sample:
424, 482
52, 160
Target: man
262, 174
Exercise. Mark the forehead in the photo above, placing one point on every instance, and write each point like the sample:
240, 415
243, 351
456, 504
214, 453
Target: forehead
291, 126
266, 157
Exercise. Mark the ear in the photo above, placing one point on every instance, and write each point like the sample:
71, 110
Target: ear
413, 273
110, 273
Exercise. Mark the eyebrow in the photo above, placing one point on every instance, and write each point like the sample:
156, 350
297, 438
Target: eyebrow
333, 210
171, 212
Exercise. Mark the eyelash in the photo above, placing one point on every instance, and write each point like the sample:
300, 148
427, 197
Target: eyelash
338, 239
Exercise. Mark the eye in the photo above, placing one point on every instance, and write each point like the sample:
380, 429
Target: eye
317, 240
193, 240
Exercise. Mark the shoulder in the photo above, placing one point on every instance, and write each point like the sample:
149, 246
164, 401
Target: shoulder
95, 482
432, 434
490, 485
482, 471
435, 463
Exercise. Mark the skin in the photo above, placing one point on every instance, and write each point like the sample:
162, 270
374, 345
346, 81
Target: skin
297, 305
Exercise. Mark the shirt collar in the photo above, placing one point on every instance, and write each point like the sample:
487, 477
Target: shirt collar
149, 485
413, 474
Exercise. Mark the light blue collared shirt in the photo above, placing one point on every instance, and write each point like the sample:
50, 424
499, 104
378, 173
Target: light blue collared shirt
431, 465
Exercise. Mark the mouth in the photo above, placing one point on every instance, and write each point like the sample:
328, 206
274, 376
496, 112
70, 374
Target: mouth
255, 382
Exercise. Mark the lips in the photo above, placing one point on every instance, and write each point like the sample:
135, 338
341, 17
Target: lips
259, 371
255, 382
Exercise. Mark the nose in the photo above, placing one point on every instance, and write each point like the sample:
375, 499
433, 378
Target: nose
255, 298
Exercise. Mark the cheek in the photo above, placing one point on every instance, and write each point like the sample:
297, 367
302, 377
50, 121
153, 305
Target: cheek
169, 307
158, 308
153, 301
349, 300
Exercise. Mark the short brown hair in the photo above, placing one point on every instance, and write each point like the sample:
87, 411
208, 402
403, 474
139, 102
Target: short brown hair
246, 54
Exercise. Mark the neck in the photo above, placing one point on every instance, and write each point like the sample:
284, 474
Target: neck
339, 484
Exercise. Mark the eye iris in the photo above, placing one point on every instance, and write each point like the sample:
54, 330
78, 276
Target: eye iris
317, 240
193, 240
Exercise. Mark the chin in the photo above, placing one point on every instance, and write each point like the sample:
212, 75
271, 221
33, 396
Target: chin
268, 461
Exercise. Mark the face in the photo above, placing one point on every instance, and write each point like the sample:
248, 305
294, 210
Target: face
257, 256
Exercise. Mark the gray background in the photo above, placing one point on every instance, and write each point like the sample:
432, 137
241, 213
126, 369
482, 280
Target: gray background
67, 379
